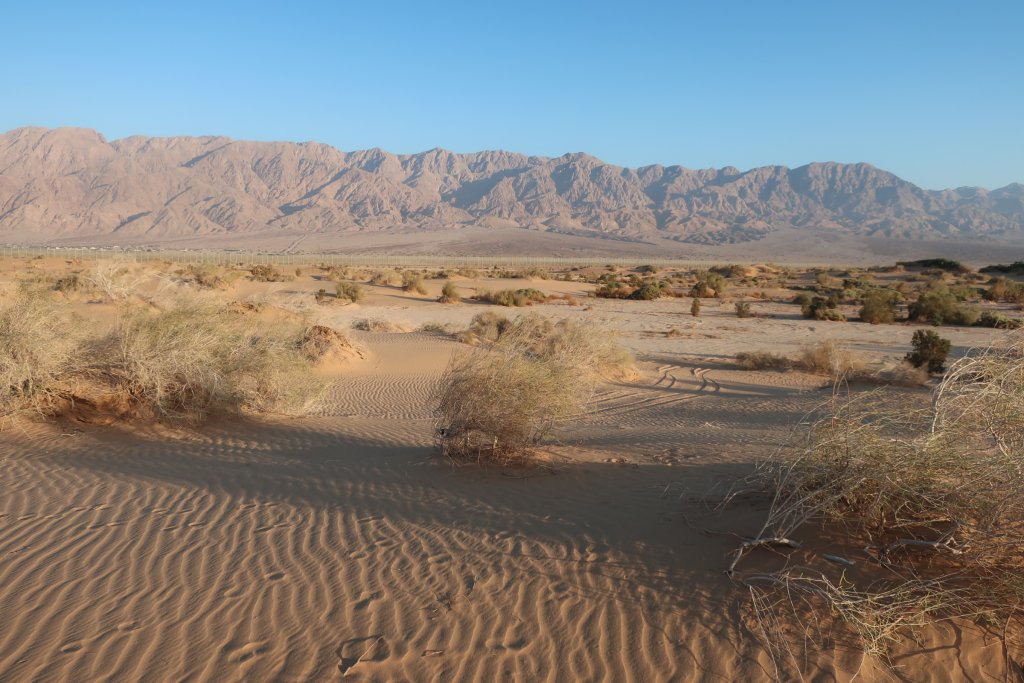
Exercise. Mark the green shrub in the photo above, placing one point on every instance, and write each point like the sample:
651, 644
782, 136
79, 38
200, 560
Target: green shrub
930, 350
879, 306
709, 283
648, 291
939, 306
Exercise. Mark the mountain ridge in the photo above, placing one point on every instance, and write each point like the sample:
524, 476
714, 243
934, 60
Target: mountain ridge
71, 183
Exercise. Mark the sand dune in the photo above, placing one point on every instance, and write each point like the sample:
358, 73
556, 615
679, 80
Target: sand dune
339, 544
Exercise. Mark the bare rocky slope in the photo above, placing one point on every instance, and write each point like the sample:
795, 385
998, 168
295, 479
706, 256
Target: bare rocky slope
71, 183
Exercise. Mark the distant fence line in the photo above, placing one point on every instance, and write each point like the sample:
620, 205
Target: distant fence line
234, 258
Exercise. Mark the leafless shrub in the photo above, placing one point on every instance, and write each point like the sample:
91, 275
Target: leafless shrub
935, 497
498, 401
829, 359
763, 360
39, 347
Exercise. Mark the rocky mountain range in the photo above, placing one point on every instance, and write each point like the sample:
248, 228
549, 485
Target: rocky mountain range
70, 183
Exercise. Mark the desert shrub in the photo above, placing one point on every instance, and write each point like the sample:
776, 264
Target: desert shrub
449, 293
999, 321
733, 270
933, 495
319, 341
320, 295
435, 327
377, 325
352, 291
267, 273
1003, 289
940, 264
648, 269
68, 283
39, 347
648, 291
412, 281
763, 360
939, 306
929, 350
879, 306
819, 307
385, 277
1015, 268
114, 280
708, 284
613, 289
829, 359
512, 297
695, 308
484, 326
192, 360
743, 310
208, 276
497, 402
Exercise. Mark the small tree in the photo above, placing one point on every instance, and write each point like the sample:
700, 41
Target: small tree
695, 307
930, 350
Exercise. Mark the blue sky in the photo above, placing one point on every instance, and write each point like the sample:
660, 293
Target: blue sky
933, 91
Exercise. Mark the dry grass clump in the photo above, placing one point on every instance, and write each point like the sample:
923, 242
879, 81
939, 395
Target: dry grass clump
207, 276
180, 364
191, 360
763, 360
829, 359
269, 273
377, 325
385, 277
449, 293
412, 281
498, 401
350, 291
935, 498
115, 280
39, 346
484, 326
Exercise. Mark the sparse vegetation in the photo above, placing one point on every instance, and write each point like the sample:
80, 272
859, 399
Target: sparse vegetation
497, 402
743, 310
934, 497
267, 273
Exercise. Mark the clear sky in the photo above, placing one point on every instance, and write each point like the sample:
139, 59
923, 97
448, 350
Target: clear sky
933, 91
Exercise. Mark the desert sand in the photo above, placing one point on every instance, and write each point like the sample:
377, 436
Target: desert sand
339, 545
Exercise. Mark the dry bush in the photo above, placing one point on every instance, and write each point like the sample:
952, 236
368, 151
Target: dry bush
449, 293
39, 347
115, 280
933, 495
191, 360
269, 273
385, 277
377, 325
412, 281
497, 402
319, 342
763, 360
484, 326
207, 276
829, 359
351, 291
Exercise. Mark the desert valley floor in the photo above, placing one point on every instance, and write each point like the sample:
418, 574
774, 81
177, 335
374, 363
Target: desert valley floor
340, 545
